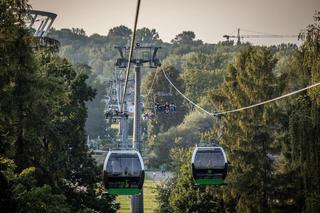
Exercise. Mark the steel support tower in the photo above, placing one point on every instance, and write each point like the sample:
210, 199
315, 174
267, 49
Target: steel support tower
137, 200
148, 56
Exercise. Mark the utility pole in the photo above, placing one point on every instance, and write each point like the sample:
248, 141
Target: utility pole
238, 37
148, 56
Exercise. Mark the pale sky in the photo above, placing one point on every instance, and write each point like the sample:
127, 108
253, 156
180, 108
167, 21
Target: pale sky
209, 19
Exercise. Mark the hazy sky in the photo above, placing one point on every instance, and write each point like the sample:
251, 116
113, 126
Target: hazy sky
209, 19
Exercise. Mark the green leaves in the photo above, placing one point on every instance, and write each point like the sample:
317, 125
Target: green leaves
42, 123
246, 136
181, 195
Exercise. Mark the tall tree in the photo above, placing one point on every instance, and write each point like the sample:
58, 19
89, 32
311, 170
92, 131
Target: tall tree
43, 113
184, 42
305, 124
147, 36
247, 134
120, 35
186, 37
19, 79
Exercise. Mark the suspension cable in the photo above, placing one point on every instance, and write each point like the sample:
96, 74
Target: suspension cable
188, 99
242, 108
269, 101
151, 86
130, 54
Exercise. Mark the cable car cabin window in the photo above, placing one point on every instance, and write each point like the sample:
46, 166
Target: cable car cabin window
123, 173
209, 166
124, 165
207, 159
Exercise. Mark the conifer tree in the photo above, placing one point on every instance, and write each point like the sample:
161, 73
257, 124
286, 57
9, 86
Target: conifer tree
305, 123
247, 137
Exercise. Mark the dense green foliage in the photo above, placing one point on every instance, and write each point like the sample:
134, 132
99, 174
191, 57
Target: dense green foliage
180, 194
248, 134
44, 162
164, 148
186, 54
273, 149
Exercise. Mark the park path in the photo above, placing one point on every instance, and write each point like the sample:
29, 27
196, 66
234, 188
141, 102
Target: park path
158, 176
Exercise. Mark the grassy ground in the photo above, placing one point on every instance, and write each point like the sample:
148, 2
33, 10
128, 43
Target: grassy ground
99, 158
149, 192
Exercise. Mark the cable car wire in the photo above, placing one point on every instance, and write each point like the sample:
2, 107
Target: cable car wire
151, 86
130, 54
269, 101
242, 108
188, 99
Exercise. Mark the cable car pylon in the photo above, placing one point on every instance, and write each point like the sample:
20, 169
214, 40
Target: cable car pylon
137, 201
121, 177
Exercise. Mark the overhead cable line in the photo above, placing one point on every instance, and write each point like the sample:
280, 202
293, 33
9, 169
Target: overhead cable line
188, 99
151, 86
242, 108
269, 101
130, 54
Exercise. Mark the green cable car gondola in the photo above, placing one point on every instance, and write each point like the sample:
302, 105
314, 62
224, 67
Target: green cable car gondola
123, 172
209, 165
